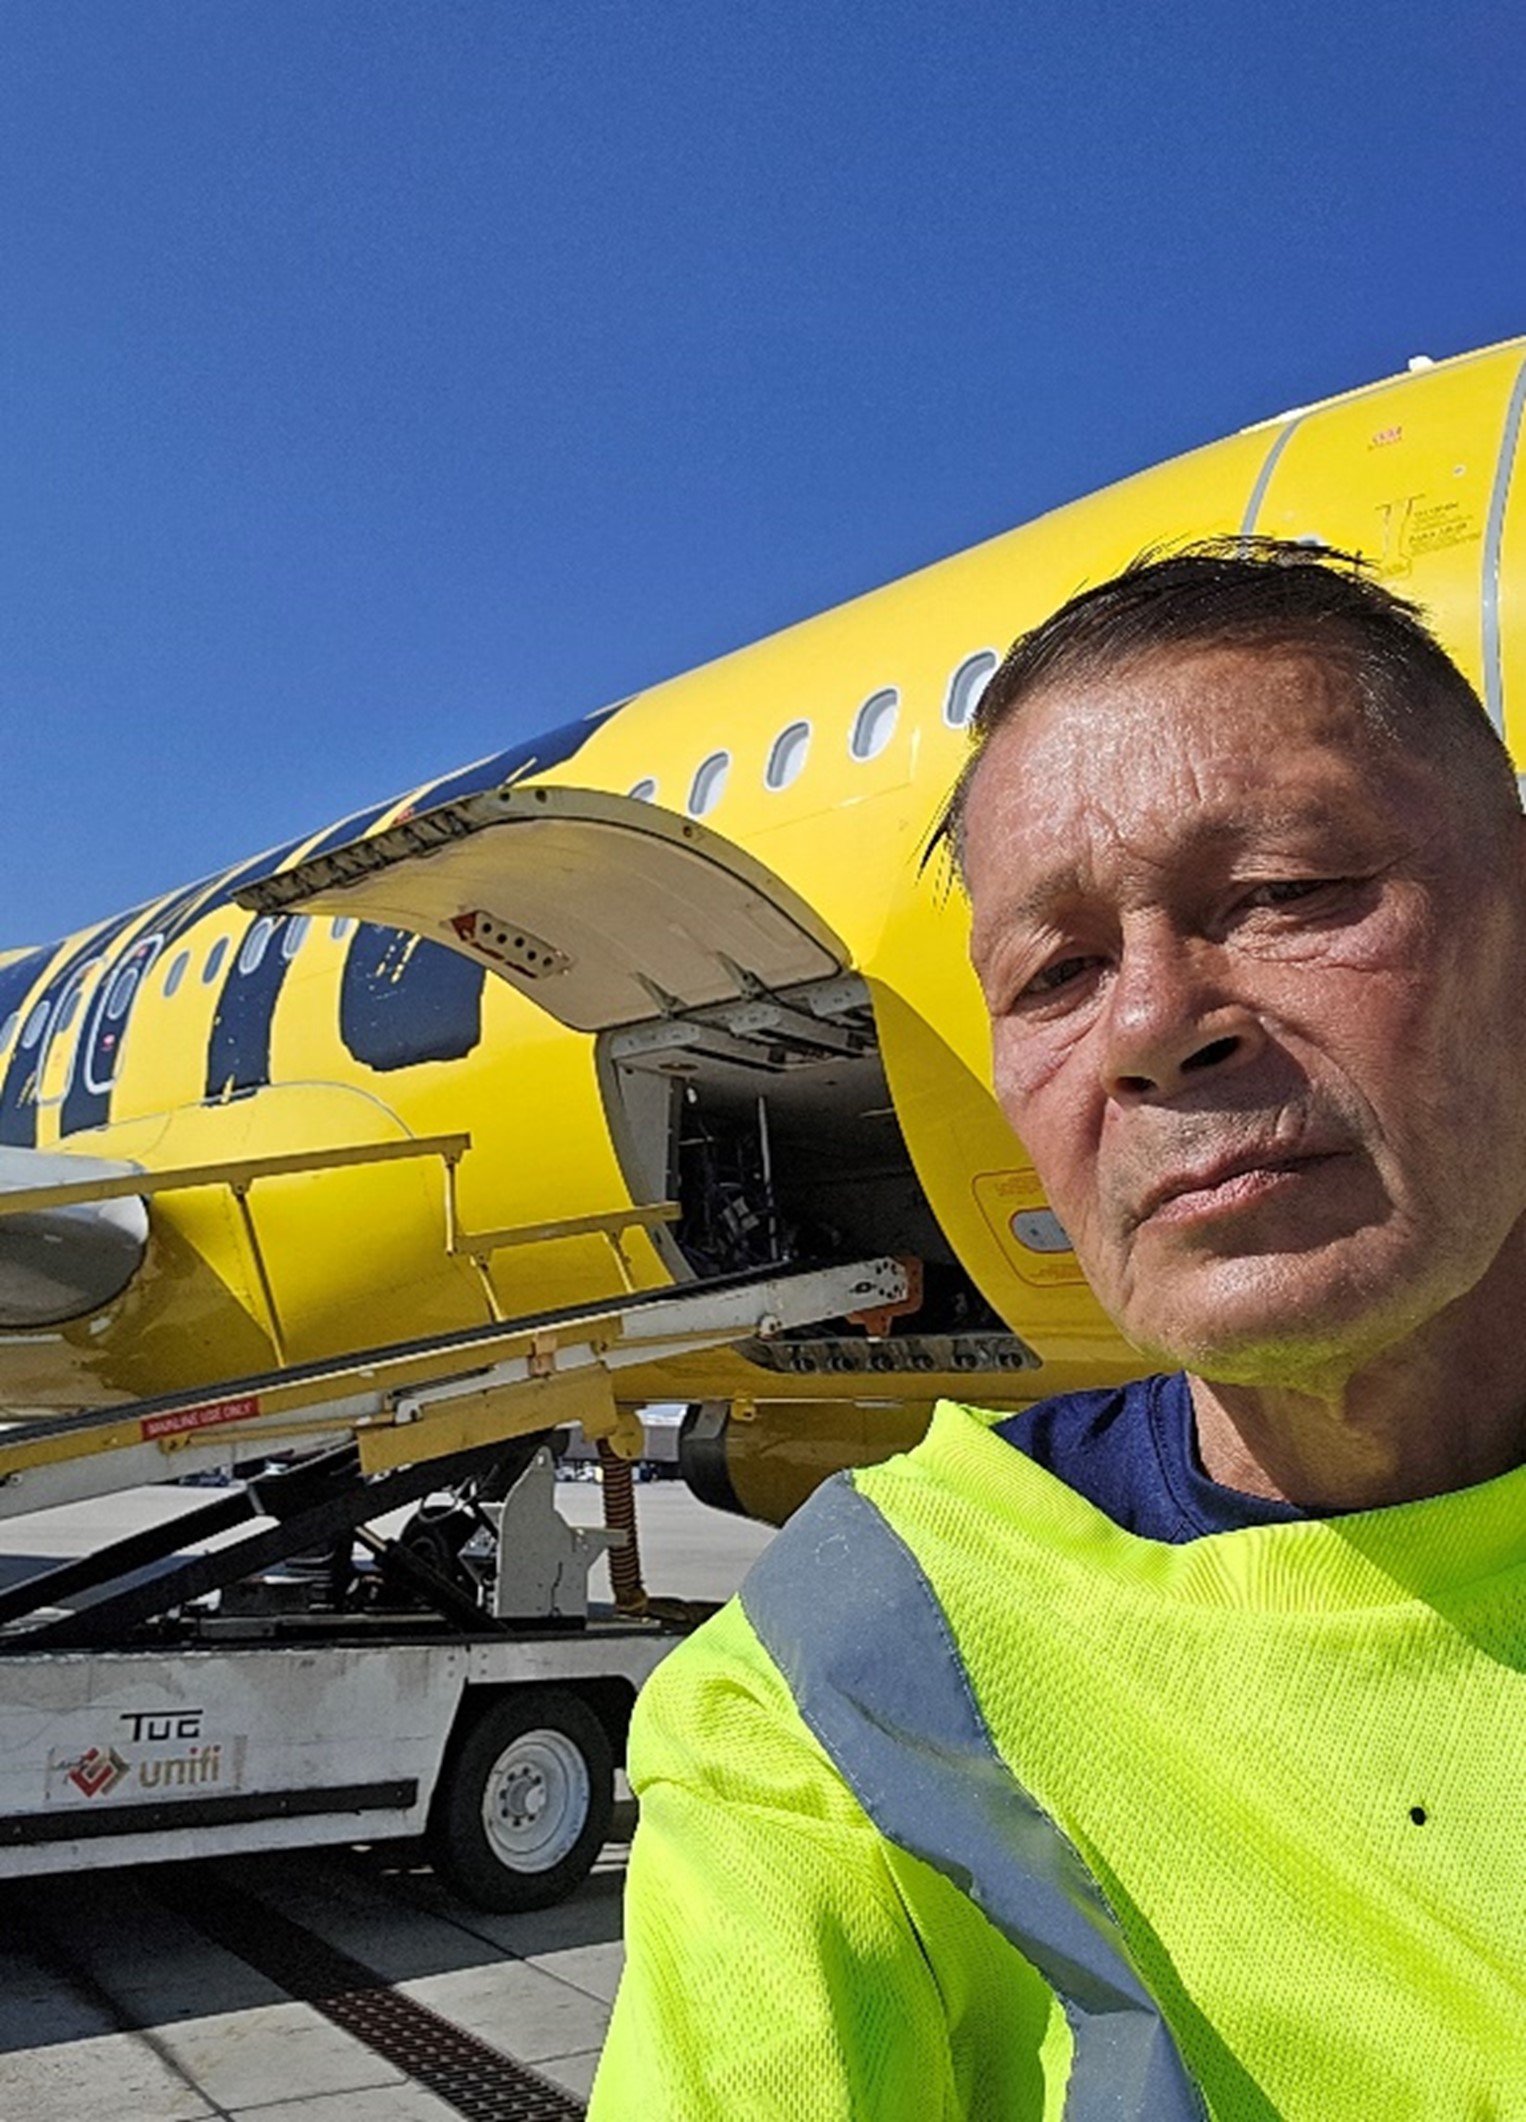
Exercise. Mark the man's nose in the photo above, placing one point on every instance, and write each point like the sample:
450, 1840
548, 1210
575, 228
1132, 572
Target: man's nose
1171, 1021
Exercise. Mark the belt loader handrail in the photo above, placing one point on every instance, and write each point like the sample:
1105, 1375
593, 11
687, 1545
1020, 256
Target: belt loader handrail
419, 1400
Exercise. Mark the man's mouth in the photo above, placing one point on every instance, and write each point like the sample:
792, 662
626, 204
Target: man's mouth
1225, 1185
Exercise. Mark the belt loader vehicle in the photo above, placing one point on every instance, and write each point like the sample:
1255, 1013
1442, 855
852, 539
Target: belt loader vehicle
271, 1668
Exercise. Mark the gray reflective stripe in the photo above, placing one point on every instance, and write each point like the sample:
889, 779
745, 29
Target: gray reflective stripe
1494, 538
843, 1608
1264, 476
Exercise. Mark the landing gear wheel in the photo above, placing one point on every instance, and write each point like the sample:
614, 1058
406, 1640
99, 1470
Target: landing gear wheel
524, 1806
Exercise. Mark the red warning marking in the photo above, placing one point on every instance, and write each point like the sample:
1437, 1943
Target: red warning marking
205, 1416
480, 931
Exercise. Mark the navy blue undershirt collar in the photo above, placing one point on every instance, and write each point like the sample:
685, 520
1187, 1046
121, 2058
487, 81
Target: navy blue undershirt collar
1133, 1453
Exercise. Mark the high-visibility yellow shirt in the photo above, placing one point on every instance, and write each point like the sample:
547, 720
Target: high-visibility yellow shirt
975, 1805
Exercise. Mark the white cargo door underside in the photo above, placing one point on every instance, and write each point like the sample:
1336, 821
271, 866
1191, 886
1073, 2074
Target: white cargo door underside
604, 910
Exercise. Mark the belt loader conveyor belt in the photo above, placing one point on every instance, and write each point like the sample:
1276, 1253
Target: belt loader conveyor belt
420, 1400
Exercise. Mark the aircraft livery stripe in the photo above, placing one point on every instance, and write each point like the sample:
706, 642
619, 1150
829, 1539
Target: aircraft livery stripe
19, 977
404, 999
1264, 476
87, 1103
552, 747
238, 1056
892, 1707
1494, 539
238, 1041
350, 828
21, 1085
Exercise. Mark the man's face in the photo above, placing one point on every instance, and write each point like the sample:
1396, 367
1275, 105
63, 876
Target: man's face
1255, 975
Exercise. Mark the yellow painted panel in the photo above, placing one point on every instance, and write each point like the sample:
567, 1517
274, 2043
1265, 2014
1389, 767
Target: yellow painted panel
1005, 1197
912, 635
956, 1132
1403, 474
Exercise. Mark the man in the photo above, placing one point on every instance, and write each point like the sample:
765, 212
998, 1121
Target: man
1160, 1750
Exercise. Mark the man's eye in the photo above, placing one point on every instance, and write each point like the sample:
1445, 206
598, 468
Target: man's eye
1054, 978
1283, 891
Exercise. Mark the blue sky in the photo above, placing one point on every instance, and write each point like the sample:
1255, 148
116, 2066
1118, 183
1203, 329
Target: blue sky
383, 380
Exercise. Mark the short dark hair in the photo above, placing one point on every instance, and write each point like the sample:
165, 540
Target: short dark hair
1248, 593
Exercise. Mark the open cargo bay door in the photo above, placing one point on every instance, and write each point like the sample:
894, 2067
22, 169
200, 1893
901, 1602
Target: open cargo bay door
736, 1046
605, 911
703, 977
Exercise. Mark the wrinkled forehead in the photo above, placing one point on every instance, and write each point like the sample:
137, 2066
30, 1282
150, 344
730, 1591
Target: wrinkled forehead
1186, 729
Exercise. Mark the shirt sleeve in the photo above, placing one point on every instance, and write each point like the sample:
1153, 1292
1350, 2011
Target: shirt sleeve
781, 1959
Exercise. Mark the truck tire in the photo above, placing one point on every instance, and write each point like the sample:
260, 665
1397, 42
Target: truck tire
524, 1802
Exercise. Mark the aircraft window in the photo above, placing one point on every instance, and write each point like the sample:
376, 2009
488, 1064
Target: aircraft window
33, 1028
176, 973
8, 1027
119, 999
709, 783
966, 687
874, 724
787, 757
70, 1009
255, 944
214, 964
296, 930
645, 791
341, 927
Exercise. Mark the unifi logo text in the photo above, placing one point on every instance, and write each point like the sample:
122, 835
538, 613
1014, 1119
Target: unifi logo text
199, 1764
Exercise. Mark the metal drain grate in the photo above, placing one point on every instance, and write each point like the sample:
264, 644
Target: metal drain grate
471, 2077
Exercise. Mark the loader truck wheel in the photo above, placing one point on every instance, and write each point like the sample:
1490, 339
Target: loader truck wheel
524, 1806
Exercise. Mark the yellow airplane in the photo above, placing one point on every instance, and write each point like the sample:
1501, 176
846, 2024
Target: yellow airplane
658, 997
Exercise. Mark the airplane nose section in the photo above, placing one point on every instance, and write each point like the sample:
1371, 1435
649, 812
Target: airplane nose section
62, 1259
